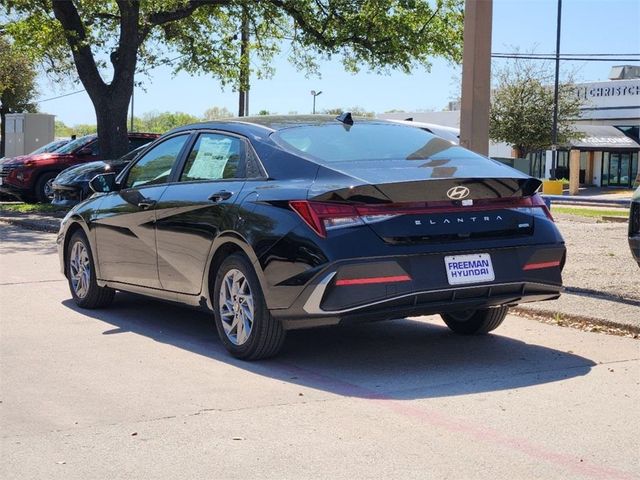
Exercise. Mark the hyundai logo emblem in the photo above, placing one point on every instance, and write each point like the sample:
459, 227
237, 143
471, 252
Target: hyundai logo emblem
458, 193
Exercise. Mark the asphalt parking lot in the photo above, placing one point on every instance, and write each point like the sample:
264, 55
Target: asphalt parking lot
145, 390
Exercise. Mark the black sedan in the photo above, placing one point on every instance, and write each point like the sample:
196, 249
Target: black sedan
71, 186
278, 223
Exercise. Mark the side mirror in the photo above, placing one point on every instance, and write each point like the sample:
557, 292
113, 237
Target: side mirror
103, 183
85, 151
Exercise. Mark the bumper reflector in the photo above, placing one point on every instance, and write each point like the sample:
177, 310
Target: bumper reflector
371, 280
538, 266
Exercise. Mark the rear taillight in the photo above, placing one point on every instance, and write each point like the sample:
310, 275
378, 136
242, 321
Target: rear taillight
538, 202
325, 216
321, 216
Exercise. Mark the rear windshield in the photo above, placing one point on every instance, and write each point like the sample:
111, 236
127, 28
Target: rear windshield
361, 142
75, 144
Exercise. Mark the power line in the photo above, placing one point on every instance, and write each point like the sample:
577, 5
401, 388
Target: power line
566, 58
573, 54
61, 96
161, 64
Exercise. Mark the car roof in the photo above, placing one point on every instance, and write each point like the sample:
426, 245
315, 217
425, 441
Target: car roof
263, 125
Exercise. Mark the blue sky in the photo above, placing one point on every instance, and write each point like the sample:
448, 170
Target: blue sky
588, 26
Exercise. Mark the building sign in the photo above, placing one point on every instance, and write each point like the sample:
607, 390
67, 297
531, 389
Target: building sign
613, 99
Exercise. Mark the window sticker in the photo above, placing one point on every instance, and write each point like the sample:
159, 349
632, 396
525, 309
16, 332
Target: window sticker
213, 155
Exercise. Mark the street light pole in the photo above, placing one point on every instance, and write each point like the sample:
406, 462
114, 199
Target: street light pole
554, 131
315, 94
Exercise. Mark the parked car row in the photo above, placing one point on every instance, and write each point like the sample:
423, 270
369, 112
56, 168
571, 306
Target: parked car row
30, 177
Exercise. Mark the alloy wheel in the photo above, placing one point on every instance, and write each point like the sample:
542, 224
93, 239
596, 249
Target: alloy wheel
48, 189
236, 307
80, 269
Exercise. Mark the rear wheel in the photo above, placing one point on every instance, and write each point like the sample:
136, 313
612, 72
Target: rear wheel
44, 187
244, 323
475, 322
81, 274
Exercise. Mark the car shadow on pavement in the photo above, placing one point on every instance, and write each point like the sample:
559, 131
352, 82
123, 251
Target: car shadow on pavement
17, 240
399, 359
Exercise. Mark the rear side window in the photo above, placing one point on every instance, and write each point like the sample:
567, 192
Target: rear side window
361, 142
214, 157
155, 166
138, 142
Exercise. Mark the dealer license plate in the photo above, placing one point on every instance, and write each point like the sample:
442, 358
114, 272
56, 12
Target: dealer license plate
474, 268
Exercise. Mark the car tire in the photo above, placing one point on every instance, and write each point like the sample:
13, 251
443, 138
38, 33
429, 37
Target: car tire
245, 326
43, 191
475, 322
81, 274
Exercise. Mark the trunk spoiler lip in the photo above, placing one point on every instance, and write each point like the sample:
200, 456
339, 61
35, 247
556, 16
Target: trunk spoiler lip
320, 188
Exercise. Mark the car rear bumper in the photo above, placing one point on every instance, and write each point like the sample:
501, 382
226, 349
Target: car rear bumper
358, 289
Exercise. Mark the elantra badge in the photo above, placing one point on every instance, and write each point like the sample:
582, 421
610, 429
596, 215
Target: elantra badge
458, 193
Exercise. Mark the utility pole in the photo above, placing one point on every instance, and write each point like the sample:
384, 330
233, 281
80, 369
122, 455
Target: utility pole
243, 92
476, 76
132, 91
554, 131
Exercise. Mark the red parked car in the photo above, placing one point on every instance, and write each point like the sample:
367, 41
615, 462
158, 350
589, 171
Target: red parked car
30, 177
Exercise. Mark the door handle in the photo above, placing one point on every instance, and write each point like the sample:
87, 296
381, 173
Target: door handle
146, 204
220, 196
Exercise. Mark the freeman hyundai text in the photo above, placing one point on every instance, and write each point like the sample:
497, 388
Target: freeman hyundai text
278, 223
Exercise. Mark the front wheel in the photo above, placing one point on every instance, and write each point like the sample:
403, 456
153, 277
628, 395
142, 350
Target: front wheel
43, 192
81, 274
244, 323
475, 322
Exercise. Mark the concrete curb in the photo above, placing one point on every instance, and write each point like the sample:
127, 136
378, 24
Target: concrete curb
583, 320
587, 201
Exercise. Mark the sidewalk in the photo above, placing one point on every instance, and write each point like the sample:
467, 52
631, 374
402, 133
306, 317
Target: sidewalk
49, 222
612, 197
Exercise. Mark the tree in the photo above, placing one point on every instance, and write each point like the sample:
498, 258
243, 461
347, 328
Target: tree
355, 111
215, 113
522, 107
17, 85
162, 122
119, 38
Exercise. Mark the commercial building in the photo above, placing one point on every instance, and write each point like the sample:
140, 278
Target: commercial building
609, 126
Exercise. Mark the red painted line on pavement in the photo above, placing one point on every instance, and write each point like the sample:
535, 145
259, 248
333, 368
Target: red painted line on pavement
479, 432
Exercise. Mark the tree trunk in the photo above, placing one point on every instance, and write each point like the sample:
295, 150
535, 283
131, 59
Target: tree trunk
111, 119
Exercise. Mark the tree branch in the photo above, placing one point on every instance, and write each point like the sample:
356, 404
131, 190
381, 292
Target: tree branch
76, 36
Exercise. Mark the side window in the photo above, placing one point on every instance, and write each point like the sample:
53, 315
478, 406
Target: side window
155, 166
95, 148
214, 157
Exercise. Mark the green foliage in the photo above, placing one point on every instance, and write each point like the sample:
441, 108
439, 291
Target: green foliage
264, 112
162, 122
214, 113
355, 111
378, 34
522, 107
17, 80
107, 43
79, 130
